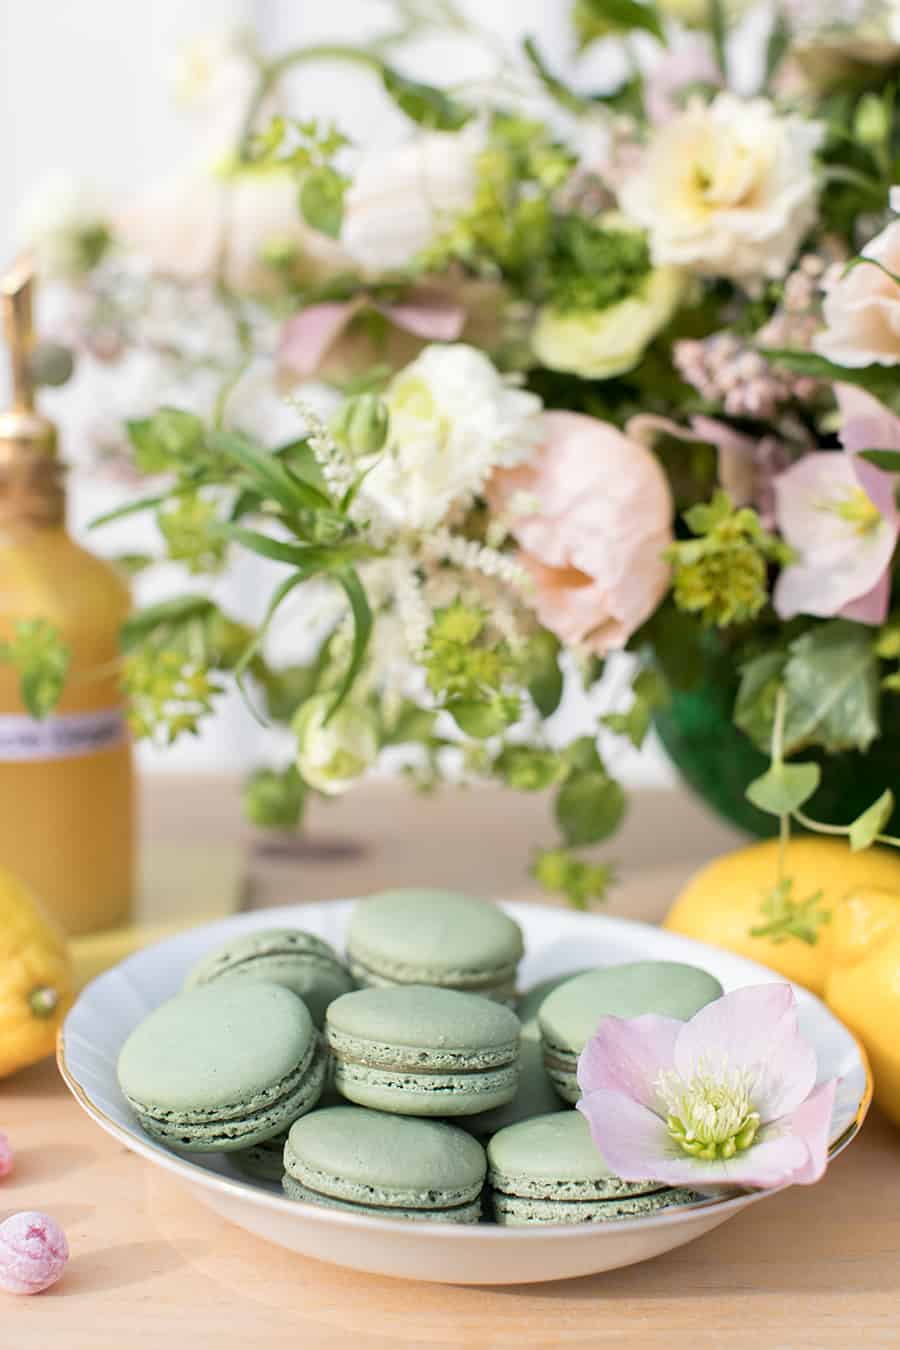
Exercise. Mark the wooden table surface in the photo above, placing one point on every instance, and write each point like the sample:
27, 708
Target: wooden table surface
152, 1269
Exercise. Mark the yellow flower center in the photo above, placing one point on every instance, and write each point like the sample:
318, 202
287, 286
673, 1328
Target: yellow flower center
710, 1115
857, 509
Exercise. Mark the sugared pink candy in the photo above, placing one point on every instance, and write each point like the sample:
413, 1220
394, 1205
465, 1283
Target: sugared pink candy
6, 1156
33, 1252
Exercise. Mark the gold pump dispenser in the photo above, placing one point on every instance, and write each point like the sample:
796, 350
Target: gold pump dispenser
30, 472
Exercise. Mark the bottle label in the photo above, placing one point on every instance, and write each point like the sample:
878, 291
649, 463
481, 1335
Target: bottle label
65, 737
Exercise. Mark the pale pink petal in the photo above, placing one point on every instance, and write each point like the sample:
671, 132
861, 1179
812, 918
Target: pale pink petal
637, 1145
867, 423
837, 564
754, 1029
627, 1056
871, 608
307, 338
427, 314
633, 1140
812, 1122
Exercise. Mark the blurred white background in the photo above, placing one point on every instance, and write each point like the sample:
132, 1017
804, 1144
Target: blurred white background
85, 89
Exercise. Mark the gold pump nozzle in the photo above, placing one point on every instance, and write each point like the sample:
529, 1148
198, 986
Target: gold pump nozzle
30, 481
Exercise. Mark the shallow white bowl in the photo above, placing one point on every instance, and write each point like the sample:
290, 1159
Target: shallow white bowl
556, 941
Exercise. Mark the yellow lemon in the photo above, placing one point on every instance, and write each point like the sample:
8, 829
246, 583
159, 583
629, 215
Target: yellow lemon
863, 985
35, 977
722, 902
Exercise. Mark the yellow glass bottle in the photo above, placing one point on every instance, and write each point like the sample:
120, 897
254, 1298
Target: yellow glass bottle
67, 779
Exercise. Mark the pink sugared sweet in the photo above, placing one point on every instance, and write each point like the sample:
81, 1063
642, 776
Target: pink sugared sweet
33, 1252
6, 1156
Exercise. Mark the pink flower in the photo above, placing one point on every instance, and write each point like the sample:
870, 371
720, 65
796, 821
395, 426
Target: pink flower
33, 1253
866, 423
592, 514
726, 1099
862, 307
839, 515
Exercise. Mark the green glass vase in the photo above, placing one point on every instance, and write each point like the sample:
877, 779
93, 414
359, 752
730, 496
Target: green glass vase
718, 761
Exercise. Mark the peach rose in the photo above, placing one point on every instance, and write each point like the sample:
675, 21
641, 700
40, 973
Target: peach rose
862, 308
592, 515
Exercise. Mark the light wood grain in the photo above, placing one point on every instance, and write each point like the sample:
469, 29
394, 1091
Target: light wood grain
152, 1269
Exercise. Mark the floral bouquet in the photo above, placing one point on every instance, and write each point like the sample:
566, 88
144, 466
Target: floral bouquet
567, 372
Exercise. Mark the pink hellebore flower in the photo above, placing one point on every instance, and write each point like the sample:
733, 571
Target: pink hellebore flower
839, 515
726, 1099
592, 515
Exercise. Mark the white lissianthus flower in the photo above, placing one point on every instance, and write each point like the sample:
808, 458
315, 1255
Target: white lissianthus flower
727, 189
401, 197
453, 420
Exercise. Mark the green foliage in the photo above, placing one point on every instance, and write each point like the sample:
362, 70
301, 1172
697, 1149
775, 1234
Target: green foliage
189, 525
168, 694
424, 103
648, 693
558, 90
880, 381
322, 200
509, 227
274, 798
169, 440
722, 575
783, 788
558, 872
542, 674
601, 18
865, 830
593, 266
40, 656
484, 717
830, 679
784, 917
589, 807
528, 768
460, 663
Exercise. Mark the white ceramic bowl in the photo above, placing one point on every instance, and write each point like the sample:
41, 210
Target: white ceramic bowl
556, 941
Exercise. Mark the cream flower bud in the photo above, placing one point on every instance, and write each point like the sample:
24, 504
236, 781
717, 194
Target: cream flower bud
333, 752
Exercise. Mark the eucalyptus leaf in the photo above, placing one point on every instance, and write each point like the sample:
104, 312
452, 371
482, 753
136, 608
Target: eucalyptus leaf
831, 688
754, 708
589, 807
868, 826
784, 788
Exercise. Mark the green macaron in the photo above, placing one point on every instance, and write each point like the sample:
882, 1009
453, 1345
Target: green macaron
300, 961
569, 1016
421, 1051
434, 937
535, 1095
548, 1170
533, 999
392, 1166
223, 1066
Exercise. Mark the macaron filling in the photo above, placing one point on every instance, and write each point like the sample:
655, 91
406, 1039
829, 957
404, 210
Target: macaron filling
333, 1186
380, 972
468, 1213
463, 1093
513, 1210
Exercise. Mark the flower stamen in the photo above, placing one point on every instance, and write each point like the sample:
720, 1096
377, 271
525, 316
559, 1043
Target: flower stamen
710, 1115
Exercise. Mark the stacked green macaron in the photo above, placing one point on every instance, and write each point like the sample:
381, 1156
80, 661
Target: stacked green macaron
432, 937
396, 1167
421, 1051
300, 961
547, 1170
223, 1067
569, 1016
386, 1109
